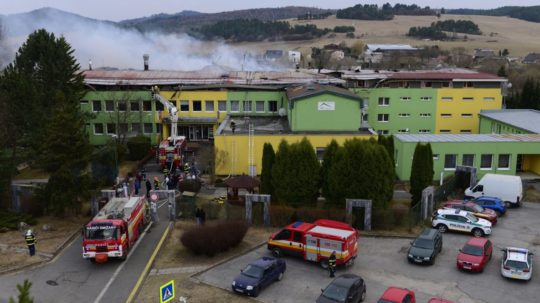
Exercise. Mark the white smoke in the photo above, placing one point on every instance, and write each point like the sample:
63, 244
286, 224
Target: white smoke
108, 45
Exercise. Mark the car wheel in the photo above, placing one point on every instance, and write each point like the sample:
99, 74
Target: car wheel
324, 264
363, 296
280, 276
442, 228
256, 292
498, 213
477, 232
507, 204
277, 252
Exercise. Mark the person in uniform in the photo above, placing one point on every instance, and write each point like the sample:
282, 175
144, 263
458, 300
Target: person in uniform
332, 264
30, 242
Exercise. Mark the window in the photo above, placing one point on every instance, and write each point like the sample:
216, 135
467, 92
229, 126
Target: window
283, 235
259, 106
235, 106
404, 115
111, 128
384, 101
197, 105
447, 99
320, 153
504, 161
96, 105
98, 129
405, 98
425, 98
272, 106
435, 156
159, 107
450, 161
246, 105
136, 128
467, 99
383, 132
122, 106
209, 105
425, 115
184, 105
109, 105
123, 128
465, 131
444, 131
446, 115
468, 160
485, 161
147, 128
83, 101
466, 115
297, 236
403, 131
134, 106
424, 131
382, 117
222, 105
147, 106
489, 99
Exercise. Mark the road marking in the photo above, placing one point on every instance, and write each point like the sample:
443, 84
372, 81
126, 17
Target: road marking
111, 280
148, 264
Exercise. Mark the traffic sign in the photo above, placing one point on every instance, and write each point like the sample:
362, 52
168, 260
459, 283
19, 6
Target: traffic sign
166, 292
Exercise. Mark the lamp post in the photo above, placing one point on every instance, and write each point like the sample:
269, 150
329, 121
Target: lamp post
114, 136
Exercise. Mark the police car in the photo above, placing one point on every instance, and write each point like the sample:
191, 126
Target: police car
516, 263
460, 220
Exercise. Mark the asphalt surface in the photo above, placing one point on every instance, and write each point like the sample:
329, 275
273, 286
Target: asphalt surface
70, 278
382, 263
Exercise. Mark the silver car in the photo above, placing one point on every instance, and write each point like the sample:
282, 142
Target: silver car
517, 263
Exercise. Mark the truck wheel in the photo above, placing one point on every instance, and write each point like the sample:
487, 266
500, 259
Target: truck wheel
324, 264
92, 260
277, 252
442, 228
477, 232
126, 253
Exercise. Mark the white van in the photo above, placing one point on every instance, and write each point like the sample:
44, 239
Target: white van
507, 188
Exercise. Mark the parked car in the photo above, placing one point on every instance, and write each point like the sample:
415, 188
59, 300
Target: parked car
474, 255
460, 220
438, 300
477, 210
347, 288
507, 188
493, 203
397, 295
425, 247
259, 274
517, 263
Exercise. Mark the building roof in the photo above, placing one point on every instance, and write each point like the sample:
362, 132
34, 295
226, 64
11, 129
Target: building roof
390, 47
204, 77
311, 90
468, 138
451, 74
526, 119
531, 58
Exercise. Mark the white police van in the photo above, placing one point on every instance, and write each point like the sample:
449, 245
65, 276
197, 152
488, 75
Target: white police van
460, 220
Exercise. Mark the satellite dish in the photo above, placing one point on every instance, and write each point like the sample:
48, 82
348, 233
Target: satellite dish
282, 112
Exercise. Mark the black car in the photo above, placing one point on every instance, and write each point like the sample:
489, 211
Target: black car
347, 288
425, 247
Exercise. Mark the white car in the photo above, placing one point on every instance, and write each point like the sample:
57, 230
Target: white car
460, 220
516, 263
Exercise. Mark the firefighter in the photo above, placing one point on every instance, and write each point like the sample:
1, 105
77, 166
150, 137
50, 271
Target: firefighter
30, 242
186, 170
332, 264
156, 183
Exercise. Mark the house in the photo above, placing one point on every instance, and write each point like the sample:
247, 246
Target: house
374, 53
483, 53
532, 58
337, 55
273, 55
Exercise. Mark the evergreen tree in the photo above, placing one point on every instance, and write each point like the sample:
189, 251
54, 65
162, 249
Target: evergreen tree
268, 160
280, 177
502, 72
421, 171
328, 160
529, 94
24, 293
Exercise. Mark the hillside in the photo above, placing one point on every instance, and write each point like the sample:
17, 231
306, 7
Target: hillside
527, 13
183, 22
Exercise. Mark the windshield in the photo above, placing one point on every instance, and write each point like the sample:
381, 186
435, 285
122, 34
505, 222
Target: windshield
517, 264
472, 218
472, 250
335, 292
423, 243
478, 208
253, 271
101, 232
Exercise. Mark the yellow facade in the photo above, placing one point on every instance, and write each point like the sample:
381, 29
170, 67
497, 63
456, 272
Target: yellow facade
531, 163
458, 108
232, 151
176, 97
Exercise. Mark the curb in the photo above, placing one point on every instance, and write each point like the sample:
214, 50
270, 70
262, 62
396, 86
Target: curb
53, 256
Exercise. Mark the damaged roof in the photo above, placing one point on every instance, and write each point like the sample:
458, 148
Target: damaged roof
305, 91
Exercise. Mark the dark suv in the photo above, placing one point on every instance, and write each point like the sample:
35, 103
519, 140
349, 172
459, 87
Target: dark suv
425, 247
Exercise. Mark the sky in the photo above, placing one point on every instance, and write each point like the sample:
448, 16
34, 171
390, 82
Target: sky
116, 10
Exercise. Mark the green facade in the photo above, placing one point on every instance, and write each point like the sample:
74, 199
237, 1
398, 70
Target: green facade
404, 152
491, 126
137, 118
325, 112
273, 101
408, 110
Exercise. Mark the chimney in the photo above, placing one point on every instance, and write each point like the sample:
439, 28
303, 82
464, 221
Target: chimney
145, 58
89, 64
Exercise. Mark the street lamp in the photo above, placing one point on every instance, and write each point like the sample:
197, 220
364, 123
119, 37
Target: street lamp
114, 137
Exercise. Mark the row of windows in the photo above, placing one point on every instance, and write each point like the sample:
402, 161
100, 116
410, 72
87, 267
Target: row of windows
462, 131
403, 131
122, 106
385, 117
486, 161
111, 128
445, 115
469, 99
385, 101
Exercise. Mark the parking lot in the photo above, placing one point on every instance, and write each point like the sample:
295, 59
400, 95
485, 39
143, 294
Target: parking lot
382, 263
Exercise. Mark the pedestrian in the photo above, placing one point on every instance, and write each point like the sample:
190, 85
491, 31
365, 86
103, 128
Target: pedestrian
125, 187
153, 211
198, 216
167, 182
148, 188
30, 242
137, 186
203, 216
332, 264
156, 183
143, 173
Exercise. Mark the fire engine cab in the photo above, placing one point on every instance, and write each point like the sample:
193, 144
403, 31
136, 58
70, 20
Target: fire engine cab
316, 241
170, 152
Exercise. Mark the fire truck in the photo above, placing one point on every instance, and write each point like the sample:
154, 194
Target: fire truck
114, 230
316, 241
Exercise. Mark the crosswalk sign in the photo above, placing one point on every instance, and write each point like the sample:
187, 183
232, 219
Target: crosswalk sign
166, 292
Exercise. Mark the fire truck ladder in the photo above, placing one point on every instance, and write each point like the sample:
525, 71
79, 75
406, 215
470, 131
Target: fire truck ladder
251, 149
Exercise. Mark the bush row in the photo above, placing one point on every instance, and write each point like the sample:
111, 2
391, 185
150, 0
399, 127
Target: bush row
11, 221
212, 239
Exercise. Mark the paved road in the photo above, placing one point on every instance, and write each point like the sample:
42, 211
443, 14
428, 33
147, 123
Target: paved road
70, 278
382, 263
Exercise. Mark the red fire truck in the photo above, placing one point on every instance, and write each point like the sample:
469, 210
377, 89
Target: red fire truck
316, 241
114, 230
170, 152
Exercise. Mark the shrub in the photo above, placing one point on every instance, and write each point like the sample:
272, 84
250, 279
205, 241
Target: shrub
9, 220
212, 239
138, 147
192, 185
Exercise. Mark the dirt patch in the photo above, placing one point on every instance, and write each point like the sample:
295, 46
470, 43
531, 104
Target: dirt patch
531, 195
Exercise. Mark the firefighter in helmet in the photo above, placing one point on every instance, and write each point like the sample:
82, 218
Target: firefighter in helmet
30, 242
156, 183
332, 264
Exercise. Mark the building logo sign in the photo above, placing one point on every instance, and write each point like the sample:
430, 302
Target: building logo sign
326, 105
